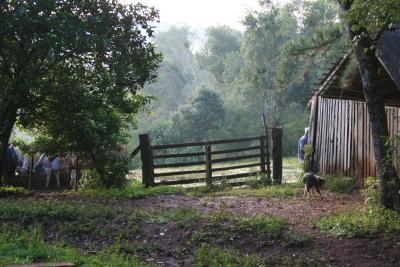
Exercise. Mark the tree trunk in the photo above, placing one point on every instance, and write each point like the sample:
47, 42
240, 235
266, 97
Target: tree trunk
8, 116
368, 66
98, 167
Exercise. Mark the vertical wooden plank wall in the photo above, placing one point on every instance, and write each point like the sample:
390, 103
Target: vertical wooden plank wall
342, 141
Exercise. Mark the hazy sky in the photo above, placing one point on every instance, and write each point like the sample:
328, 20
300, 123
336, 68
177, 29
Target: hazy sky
202, 13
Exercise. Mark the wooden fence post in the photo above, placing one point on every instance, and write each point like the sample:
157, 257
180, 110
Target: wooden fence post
313, 131
147, 160
277, 155
267, 155
262, 154
207, 150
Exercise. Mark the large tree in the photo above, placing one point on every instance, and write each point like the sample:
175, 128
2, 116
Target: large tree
98, 49
365, 20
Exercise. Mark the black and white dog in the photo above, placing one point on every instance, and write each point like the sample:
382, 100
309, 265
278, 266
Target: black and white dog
312, 183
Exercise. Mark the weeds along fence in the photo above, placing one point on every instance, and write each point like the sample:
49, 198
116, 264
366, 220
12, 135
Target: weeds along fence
207, 162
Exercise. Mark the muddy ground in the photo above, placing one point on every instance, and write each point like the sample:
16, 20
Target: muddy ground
173, 244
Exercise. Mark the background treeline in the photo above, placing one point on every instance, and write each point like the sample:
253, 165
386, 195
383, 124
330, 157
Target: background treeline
219, 91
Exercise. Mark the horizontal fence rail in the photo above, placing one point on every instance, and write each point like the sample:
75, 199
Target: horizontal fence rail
252, 148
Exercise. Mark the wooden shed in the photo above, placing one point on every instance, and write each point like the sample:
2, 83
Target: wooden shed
339, 123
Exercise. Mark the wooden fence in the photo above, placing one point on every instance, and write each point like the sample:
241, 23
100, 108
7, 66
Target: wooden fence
341, 137
208, 156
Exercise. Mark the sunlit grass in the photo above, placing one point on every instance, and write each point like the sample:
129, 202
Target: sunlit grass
359, 222
134, 191
11, 191
280, 191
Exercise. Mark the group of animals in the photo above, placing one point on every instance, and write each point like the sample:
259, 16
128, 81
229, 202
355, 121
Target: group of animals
43, 165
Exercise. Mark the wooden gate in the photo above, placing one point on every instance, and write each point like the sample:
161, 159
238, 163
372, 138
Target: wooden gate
200, 159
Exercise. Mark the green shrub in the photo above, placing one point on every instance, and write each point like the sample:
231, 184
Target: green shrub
91, 180
371, 191
307, 150
111, 171
212, 256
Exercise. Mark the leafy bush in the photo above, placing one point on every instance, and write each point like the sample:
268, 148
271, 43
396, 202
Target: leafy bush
91, 180
307, 150
371, 191
212, 256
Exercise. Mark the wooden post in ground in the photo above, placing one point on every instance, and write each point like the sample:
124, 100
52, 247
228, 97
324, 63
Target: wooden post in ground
147, 160
207, 150
277, 155
262, 154
313, 131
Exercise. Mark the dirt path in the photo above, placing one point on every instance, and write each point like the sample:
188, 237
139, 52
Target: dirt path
299, 212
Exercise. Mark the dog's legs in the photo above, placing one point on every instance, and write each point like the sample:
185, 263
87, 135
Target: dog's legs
305, 191
319, 193
312, 189
308, 193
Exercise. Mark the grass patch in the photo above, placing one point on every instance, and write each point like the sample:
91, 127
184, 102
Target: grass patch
281, 191
261, 224
42, 211
164, 215
11, 191
135, 191
340, 184
295, 239
24, 211
70, 222
367, 221
212, 256
27, 247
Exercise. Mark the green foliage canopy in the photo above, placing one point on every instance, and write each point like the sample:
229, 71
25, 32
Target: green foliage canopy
71, 70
